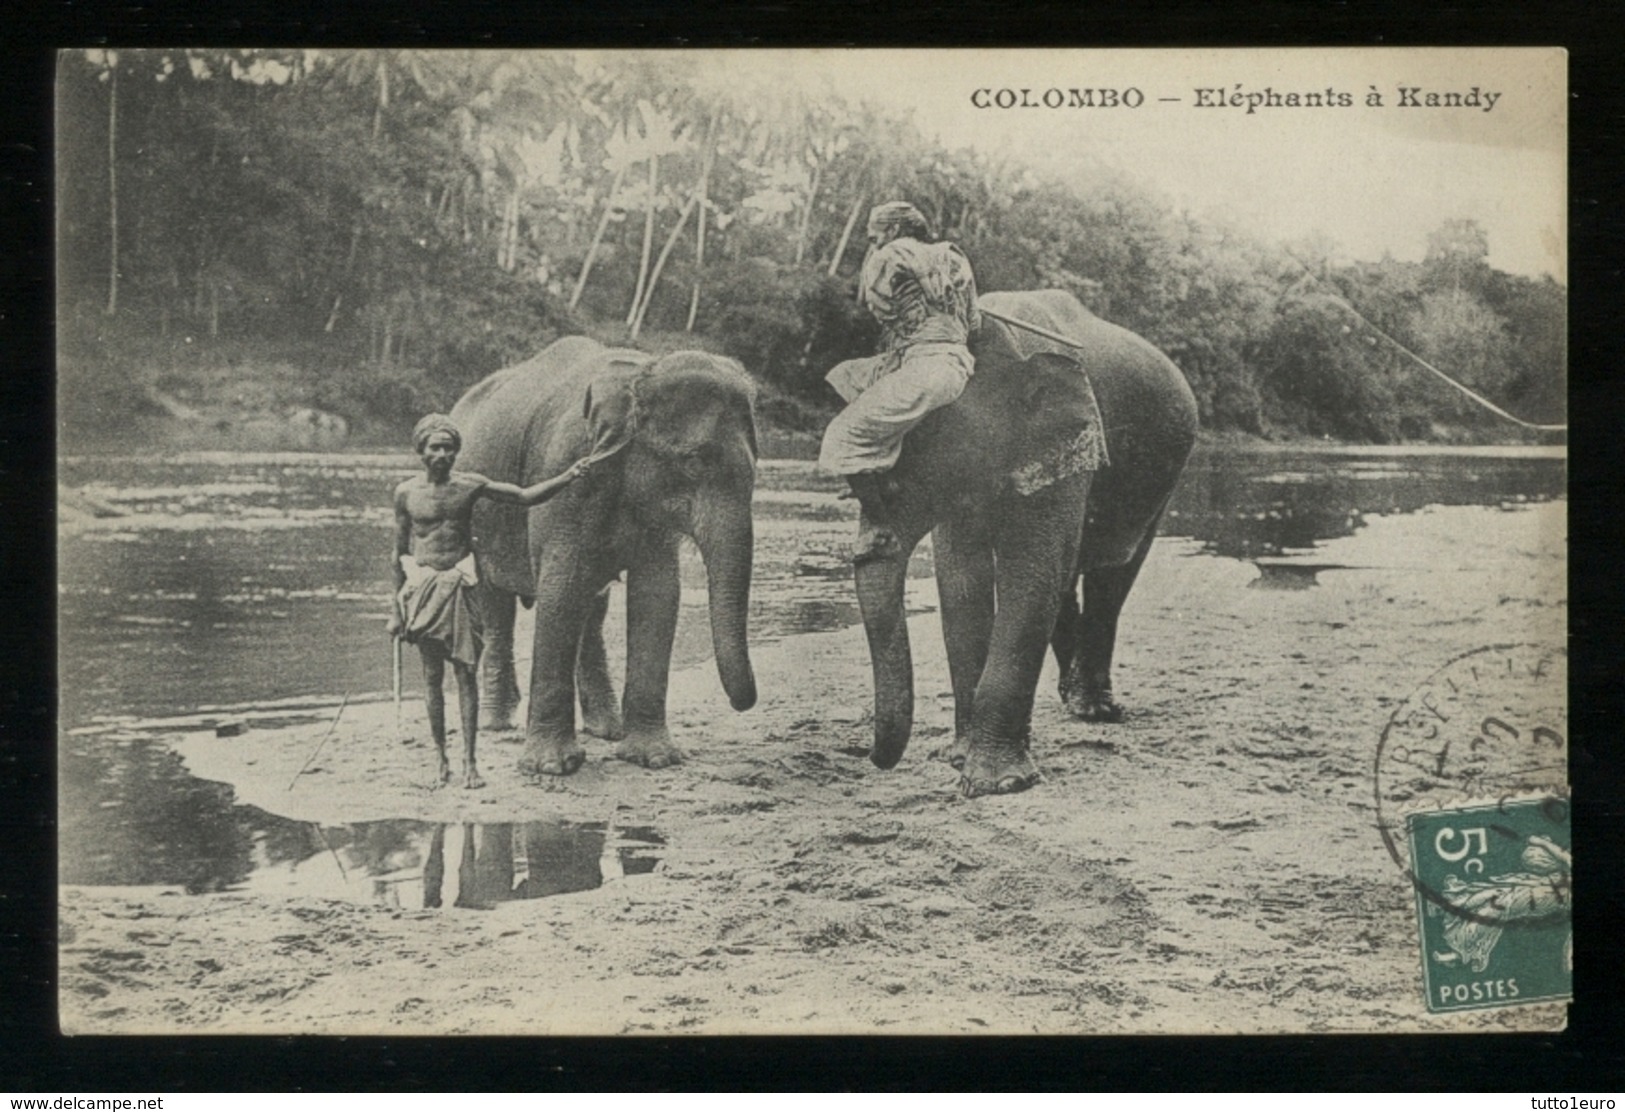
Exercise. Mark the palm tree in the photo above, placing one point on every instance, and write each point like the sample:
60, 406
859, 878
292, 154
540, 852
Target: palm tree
110, 60
660, 263
825, 139
618, 89
660, 136
619, 157
391, 72
706, 162
846, 234
880, 155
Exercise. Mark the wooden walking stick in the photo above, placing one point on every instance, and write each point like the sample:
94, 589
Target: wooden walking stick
400, 734
331, 726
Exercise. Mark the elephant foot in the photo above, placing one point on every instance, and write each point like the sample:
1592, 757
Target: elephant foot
498, 716
603, 722
551, 757
1089, 698
1094, 706
990, 770
651, 750
953, 752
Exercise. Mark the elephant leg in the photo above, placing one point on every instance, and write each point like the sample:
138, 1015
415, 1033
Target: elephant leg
562, 605
653, 592
1086, 683
600, 710
494, 867
501, 694
1037, 546
1064, 638
964, 559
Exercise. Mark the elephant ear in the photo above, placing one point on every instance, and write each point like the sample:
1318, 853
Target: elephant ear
1069, 439
610, 407
750, 402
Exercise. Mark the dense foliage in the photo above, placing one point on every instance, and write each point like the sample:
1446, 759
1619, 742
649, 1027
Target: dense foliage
374, 230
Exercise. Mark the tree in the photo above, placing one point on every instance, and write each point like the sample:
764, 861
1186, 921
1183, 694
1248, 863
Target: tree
879, 154
1455, 332
659, 136
110, 60
1457, 250
619, 156
1323, 377
397, 70
660, 264
637, 100
704, 196
396, 217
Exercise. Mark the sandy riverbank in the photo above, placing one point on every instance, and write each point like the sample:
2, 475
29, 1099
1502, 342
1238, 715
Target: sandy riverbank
1210, 864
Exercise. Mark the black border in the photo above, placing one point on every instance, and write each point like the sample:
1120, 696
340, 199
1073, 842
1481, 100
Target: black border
1588, 1058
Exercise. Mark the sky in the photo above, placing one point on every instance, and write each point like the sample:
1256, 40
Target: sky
1376, 179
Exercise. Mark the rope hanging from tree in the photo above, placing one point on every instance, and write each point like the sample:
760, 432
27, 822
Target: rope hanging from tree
1479, 398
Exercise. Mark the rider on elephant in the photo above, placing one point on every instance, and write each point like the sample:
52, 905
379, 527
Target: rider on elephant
923, 293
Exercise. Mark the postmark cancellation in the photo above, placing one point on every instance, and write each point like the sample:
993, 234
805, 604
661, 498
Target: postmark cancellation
1473, 805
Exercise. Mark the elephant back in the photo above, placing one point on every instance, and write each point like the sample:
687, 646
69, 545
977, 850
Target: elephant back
520, 425
1127, 372
997, 343
1148, 413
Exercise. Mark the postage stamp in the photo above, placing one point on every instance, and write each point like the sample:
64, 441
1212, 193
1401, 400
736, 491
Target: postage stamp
1472, 798
1493, 893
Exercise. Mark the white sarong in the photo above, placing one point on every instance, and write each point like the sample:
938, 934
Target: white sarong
884, 405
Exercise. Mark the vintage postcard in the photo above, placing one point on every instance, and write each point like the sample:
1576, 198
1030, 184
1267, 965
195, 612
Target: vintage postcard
812, 541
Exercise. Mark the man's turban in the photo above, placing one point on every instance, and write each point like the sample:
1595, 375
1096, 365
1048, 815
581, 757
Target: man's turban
433, 423
899, 216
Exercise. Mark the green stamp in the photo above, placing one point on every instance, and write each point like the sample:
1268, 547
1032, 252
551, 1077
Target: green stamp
1471, 795
1493, 898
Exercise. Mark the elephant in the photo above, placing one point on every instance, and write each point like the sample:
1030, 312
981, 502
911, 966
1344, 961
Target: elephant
1015, 528
674, 446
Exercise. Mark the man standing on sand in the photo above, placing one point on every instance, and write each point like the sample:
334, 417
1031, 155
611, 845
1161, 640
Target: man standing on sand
435, 576
923, 293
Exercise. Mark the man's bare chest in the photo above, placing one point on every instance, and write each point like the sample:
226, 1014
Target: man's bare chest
432, 506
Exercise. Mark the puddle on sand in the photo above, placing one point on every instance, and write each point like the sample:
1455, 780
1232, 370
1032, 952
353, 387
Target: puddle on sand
411, 864
130, 814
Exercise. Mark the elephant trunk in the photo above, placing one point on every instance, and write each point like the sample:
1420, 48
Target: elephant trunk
726, 543
880, 596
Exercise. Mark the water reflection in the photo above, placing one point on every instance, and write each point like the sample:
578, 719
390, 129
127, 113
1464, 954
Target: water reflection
132, 815
129, 813
261, 584
419, 865
1244, 503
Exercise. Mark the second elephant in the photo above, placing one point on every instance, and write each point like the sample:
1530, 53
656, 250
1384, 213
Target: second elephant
1020, 514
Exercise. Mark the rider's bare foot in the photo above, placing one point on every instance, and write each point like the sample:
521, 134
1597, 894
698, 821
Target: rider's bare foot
875, 543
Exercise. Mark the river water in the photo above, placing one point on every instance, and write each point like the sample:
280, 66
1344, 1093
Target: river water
252, 579
241, 581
